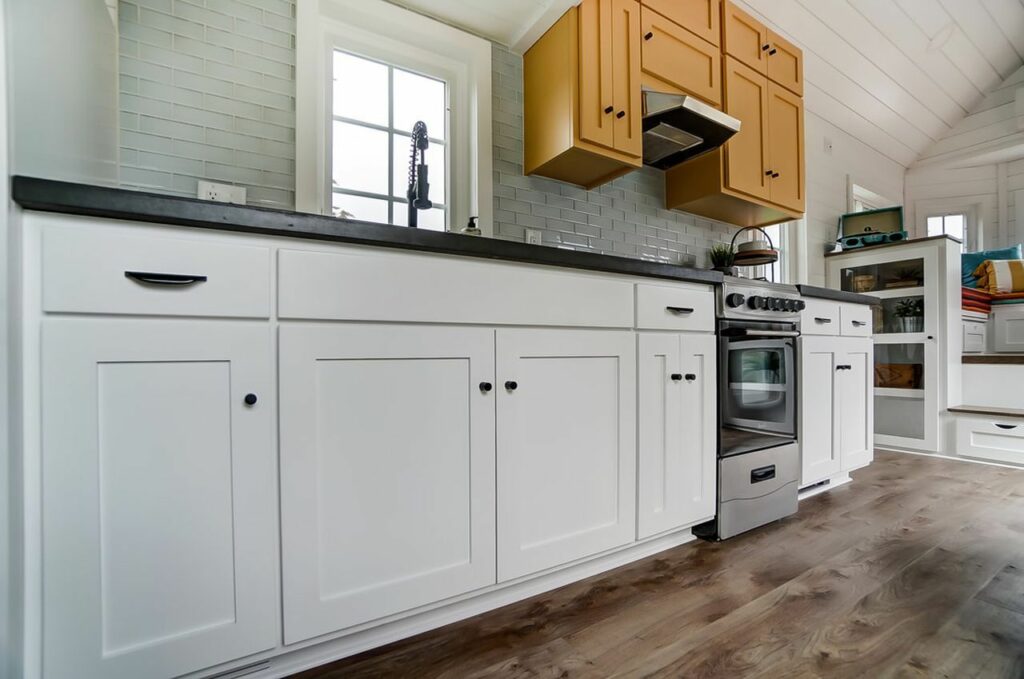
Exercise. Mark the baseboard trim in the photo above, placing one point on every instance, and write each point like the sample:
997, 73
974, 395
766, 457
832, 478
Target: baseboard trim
285, 661
831, 483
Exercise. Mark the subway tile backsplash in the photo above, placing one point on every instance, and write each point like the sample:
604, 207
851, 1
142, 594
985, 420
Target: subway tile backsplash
208, 92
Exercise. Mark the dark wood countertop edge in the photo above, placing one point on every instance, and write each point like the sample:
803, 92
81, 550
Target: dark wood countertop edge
993, 359
835, 295
47, 195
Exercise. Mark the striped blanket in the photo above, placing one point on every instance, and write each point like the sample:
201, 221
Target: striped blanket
1001, 275
981, 300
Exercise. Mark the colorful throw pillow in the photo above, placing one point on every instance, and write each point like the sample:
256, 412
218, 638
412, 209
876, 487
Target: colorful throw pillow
1001, 275
969, 261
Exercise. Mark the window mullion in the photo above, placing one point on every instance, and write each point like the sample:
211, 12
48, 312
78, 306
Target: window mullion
391, 145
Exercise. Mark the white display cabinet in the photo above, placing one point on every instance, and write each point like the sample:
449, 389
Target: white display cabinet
917, 333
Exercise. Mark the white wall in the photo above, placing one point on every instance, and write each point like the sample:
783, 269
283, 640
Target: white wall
63, 86
8, 512
978, 165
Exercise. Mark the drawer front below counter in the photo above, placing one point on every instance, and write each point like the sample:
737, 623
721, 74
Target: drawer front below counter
364, 285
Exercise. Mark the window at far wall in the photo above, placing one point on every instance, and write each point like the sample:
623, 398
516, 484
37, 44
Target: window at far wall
375, 106
950, 225
774, 272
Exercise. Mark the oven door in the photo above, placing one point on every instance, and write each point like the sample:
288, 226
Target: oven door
758, 385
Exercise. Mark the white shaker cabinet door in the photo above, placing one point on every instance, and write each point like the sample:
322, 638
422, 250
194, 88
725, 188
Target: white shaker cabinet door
856, 403
820, 360
387, 470
566, 446
158, 496
676, 431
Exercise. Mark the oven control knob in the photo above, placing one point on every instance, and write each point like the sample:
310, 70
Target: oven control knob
756, 302
734, 299
790, 305
773, 303
801, 305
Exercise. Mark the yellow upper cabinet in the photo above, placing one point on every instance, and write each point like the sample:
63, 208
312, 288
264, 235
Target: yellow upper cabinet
746, 158
745, 38
785, 63
786, 148
581, 107
700, 17
675, 60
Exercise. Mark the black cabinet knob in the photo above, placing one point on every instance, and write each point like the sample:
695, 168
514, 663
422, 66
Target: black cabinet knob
676, 377
620, 114
511, 385
764, 48
772, 51
690, 377
250, 399
775, 175
485, 387
609, 109
648, 35
767, 173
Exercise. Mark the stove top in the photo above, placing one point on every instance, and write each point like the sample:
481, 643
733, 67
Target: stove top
746, 299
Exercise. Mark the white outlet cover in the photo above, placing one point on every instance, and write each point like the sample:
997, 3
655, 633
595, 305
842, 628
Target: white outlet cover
221, 193
533, 236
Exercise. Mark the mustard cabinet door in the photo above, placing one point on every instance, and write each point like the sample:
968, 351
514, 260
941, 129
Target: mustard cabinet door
745, 38
680, 59
625, 51
746, 157
700, 17
786, 147
785, 63
597, 108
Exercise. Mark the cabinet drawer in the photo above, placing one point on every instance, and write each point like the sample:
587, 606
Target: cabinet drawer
975, 336
701, 17
93, 270
365, 285
664, 307
991, 438
678, 58
856, 320
819, 318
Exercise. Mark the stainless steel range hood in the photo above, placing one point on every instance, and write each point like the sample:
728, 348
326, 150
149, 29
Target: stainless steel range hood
678, 127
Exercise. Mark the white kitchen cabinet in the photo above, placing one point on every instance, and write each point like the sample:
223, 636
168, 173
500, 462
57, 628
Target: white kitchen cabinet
836, 419
387, 470
566, 446
158, 486
676, 430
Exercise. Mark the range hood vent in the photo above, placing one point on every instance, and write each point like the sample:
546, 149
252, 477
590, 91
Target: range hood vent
678, 127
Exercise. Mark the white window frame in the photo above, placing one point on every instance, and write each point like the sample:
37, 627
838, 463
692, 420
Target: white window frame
974, 224
384, 32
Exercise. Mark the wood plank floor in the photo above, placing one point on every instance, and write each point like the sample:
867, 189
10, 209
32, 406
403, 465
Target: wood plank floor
916, 569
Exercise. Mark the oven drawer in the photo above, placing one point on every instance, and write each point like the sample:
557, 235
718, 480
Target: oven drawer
998, 439
675, 307
757, 488
819, 318
99, 271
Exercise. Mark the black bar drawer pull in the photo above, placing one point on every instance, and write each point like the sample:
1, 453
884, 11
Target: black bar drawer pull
150, 278
859, 324
676, 376
679, 309
819, 319
762, 474
1006, 426
690, 377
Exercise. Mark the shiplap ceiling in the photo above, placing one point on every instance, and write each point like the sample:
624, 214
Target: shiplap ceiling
896, 74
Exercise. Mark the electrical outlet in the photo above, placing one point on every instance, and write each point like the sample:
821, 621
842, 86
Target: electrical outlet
221, 193
828, 146
533, 236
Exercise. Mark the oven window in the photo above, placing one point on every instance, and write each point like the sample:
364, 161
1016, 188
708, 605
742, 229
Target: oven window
757, 384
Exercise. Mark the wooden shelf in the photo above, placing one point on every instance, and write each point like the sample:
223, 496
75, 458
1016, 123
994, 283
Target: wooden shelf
900, 393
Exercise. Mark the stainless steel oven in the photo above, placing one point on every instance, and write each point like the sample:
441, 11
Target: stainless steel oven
758, 377
758, 454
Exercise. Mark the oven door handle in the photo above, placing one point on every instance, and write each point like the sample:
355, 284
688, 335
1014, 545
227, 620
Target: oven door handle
744, 332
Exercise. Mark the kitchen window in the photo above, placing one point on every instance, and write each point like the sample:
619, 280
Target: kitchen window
365, 72
954, 225
374, 108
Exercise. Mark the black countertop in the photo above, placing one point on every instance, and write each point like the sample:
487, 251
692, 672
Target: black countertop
112, 203
836, 295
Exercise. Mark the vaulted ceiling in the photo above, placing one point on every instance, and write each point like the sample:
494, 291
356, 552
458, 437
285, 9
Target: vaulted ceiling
896, 74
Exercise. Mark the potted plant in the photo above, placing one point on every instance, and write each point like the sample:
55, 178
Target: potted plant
722, 257
910, 314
